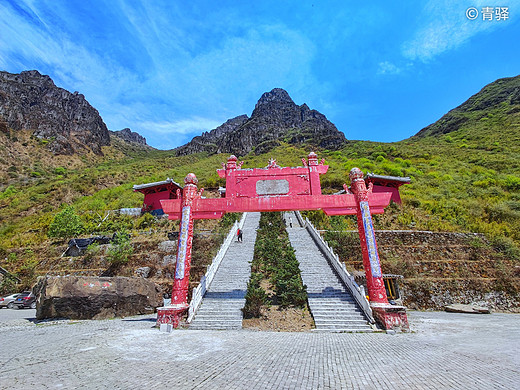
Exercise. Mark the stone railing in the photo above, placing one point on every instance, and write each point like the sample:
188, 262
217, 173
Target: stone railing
358, 292
205, 281
299, 218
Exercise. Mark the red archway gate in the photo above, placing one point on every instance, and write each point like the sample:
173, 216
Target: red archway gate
276, 188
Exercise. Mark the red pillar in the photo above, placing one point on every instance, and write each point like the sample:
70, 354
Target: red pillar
229, 167
174, 313
314, 175
389, 316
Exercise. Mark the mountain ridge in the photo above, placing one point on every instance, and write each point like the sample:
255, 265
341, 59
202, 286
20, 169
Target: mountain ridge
502, 94
275, 117
31, 101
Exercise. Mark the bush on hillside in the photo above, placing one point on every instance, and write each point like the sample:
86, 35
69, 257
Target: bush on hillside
66, 224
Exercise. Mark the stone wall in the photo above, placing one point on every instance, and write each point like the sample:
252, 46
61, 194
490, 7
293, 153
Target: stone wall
441, 268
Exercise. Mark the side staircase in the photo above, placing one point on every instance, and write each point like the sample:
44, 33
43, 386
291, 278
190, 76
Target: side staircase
222, 303
331, 304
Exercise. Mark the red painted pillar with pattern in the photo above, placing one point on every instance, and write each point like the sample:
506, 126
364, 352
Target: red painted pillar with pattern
314, 175
388, 316
374, 276
173, 313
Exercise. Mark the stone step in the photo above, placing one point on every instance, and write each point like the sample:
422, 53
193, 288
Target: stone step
331, 304
318, 311
323, 315
339, 326
222, 304
331, 301
224, 315
197, 326
344, 330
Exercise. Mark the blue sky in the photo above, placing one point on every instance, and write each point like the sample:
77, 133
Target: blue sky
379, 70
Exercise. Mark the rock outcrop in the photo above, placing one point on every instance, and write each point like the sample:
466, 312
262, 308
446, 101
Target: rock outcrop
275, 118
88, 297
33, 102
209, 141
129, 136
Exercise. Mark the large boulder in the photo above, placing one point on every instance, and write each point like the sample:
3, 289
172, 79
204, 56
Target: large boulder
86, 297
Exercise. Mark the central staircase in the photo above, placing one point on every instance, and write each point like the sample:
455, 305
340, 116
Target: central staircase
222, 303
331, 304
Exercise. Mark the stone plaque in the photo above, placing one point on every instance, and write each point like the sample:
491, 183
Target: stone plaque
272, 187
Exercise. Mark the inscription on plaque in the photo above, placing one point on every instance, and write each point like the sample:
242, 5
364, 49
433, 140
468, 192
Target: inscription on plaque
272, 187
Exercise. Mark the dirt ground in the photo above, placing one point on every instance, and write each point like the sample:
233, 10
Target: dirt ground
281, 320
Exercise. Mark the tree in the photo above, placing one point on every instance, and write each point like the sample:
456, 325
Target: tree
66, 224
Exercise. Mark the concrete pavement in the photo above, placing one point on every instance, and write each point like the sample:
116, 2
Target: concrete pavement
444, 351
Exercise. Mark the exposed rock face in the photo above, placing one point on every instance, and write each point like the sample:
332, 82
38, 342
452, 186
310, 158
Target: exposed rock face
31, 101
275, 118
129, 136
78, 297
209, 141
504, 92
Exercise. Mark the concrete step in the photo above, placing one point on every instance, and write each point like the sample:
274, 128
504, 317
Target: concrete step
222, 304
331, 304
212, 326
339, 325
344, 330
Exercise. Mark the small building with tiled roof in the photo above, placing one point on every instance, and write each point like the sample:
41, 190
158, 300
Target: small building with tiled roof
155, 192
387, 184
383, 183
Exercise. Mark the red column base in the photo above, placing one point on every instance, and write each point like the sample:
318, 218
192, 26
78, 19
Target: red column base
391, 317
171, 316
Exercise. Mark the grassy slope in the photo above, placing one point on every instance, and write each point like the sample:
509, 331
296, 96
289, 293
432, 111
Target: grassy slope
466, 180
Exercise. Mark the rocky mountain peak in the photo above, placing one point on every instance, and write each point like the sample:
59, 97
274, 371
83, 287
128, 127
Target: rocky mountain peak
277, 96
31, 101
275, 118
130, 136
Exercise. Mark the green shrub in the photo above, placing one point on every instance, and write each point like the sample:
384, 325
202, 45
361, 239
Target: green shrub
145, 221
93, 250
66, 224
512, 183
9, 191
8, 285
121, 249
256, 297
60, 171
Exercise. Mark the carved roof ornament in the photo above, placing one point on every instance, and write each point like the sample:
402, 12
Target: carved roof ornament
231, 162
313, 159
191, 179
355, 174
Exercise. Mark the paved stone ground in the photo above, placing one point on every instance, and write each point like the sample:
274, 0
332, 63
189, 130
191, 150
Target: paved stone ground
445, 351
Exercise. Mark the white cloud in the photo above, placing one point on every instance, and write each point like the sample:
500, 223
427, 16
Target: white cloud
177, 82
388, 68
444, 26
183, 126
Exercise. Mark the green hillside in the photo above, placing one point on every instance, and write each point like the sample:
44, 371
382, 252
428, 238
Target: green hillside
465, 177
456, 186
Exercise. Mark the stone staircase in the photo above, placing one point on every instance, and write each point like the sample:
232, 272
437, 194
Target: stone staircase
222, 303
331, 304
